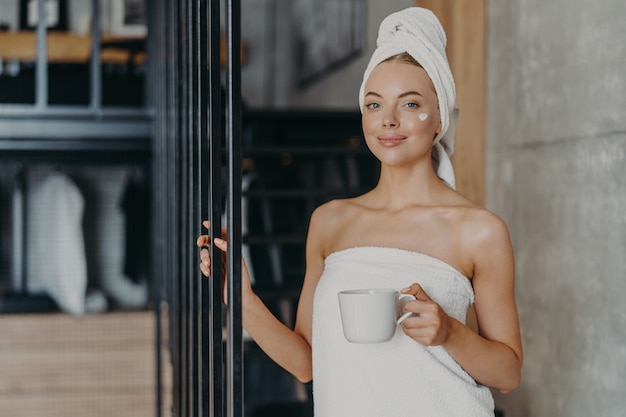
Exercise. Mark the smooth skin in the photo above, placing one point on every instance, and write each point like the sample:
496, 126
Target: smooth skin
410, 208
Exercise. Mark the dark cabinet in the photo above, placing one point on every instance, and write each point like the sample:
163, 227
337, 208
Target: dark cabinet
293, 162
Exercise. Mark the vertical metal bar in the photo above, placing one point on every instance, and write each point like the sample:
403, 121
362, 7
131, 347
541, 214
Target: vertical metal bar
200, 136
186, 185
194, 202
184, 143
181, 111
211, 389
173, 112
157, 73
187, 102
233, 117
95, 90
212, 305
41, 90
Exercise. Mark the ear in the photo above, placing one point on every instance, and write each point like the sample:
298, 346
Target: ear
438, 129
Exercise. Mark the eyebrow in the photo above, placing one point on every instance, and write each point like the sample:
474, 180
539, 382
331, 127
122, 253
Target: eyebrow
408, 93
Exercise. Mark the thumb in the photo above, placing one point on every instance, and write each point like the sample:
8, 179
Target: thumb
221, 244
417, 291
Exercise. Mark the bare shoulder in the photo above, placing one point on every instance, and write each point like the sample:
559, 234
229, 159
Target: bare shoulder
329, 209
486, 239
476, 224
485, 228
329, 221
337, 211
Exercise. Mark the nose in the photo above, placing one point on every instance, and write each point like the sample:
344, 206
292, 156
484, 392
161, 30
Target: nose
390, 119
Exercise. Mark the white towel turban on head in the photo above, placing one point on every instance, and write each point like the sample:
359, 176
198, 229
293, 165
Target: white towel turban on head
417, 31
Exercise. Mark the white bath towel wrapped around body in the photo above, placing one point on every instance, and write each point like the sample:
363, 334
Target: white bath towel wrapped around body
399, 378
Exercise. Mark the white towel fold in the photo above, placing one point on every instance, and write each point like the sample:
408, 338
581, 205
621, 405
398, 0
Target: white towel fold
418, 32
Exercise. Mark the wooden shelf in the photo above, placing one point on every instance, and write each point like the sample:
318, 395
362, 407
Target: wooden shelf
64, 48
71, 48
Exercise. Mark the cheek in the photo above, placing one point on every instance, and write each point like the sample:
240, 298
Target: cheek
368, 124
420, 123
428, 121
370, 129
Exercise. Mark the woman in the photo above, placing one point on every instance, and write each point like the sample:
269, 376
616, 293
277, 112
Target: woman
414, 232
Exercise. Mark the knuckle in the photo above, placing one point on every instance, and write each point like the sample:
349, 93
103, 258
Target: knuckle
432, 307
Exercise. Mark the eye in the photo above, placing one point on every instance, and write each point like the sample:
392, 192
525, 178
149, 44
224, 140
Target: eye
412, 105
373, 106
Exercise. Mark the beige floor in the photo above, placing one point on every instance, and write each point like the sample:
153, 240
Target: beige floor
55, 365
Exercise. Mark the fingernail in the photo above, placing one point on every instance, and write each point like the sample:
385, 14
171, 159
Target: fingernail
218, 240
206, 263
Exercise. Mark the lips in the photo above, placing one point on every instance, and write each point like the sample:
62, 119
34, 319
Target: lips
390, 141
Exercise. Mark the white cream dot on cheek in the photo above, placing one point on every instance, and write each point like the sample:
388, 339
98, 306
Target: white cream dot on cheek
423, 116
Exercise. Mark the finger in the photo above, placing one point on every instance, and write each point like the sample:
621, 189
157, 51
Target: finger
221, 244
202, 241
417, 291
205, 262
205, 268
207, 224
205, 256
426, 336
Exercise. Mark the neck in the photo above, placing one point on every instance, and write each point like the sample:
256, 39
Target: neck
398, 187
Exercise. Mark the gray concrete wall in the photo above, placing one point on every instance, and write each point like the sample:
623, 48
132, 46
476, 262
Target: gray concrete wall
556, 172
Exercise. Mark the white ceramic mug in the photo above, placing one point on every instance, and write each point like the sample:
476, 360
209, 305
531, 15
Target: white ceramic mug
370, 315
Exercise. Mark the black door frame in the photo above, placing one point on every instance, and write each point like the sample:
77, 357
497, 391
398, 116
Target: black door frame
197, 159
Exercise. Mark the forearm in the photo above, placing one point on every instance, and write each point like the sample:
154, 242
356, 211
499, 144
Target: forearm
490, 363
284, 346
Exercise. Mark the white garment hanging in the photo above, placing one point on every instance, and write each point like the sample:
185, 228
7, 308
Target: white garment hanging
55, 246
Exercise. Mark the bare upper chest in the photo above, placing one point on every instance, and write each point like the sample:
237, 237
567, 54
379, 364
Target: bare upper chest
438, 232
